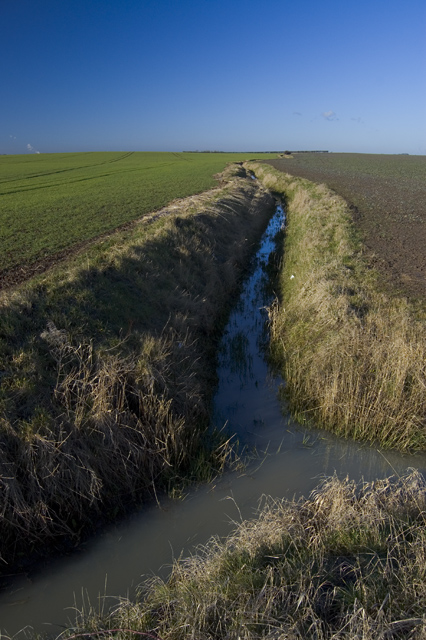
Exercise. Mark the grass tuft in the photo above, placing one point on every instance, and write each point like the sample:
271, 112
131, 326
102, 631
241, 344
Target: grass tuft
349, 562
108, 365
352, 354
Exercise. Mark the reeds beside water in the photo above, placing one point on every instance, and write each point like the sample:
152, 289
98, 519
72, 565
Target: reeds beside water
348, 562
352, 353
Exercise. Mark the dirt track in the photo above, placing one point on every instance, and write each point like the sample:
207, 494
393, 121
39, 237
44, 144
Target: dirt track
388, 199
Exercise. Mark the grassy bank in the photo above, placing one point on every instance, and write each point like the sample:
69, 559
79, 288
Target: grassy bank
352, 354
347, 563
107, 364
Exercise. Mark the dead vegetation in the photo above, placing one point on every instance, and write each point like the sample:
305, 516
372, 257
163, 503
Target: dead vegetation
349, 562
387, 194
107, 366
353, 355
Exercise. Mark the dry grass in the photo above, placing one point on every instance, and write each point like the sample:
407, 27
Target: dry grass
353, 355
349, 562
107, 368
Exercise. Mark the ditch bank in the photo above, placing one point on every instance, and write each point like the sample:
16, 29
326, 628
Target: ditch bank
107, 368
348, 562
236, 585
351, 354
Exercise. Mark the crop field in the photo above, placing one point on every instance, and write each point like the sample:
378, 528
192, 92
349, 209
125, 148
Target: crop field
388, 193
52, 202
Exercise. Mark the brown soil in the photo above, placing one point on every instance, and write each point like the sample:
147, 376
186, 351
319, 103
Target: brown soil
387, 195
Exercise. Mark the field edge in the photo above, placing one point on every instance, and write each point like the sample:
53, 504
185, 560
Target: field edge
351, 353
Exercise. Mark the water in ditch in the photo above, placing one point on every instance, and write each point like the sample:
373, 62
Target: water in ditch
287, 461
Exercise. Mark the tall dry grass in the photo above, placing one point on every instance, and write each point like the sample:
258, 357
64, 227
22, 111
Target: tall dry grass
349, 562
352, 354
107, 368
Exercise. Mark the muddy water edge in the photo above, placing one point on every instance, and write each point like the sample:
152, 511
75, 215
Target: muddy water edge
286, 460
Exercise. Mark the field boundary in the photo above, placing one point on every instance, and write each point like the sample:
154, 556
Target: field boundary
388, 195
352, 355
52, 202
25, 271
108, 366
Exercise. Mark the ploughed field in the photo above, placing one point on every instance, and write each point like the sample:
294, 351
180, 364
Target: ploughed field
388, 194
52, 203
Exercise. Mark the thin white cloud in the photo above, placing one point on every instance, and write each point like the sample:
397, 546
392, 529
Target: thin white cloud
31, 148
359, 120
329, 115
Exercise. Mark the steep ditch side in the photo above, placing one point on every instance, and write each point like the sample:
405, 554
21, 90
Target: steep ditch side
107, 366
352, 355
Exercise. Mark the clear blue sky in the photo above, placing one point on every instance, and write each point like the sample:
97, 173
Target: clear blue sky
160, 75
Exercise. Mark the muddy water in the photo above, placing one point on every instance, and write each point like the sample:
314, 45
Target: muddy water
289, 462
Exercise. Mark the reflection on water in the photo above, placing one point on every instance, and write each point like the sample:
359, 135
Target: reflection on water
291, 461
247, 393
247, 403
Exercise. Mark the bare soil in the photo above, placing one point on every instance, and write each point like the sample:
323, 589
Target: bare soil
387, 195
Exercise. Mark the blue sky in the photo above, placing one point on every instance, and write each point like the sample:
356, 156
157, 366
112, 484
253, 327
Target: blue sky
163, 75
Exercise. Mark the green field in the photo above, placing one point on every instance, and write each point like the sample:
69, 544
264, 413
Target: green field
51, 202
